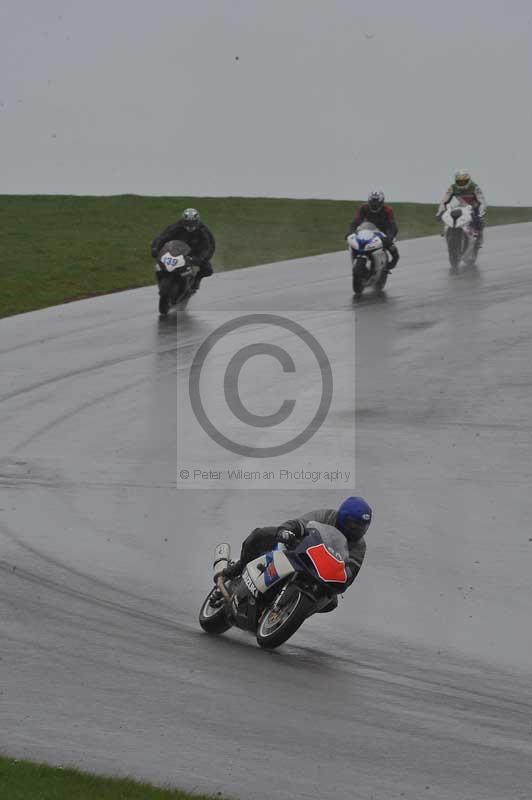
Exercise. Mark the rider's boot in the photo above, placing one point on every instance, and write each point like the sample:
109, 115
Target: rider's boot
232, 570
394, 252
331, 606
196, 282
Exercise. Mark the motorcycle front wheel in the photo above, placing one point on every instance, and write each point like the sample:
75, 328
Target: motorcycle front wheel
164, 295
360, 273
455, 248
213, 616
278, 625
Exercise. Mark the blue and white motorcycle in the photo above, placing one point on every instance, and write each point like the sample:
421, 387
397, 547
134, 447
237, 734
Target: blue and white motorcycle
369, 259
279, 590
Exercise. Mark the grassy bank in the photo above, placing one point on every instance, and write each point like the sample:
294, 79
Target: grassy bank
59, 248
23, 780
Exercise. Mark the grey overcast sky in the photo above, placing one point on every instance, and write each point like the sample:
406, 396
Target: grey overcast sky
293, 98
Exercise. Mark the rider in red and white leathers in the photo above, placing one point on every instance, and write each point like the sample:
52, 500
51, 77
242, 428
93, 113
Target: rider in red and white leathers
382, 216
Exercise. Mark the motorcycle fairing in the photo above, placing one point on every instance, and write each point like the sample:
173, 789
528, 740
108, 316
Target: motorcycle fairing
463, 220
244, 605
333, 543
267, 570
270, 574
365, 240
172, 262
328, 567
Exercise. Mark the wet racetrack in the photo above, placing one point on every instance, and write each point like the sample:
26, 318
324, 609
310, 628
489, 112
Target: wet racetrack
417, 687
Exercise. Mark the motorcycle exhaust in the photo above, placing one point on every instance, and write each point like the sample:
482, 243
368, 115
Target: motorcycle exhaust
222, 554
221, 586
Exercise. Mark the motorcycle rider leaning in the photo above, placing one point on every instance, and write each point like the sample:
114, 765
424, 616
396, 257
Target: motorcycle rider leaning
382, 216
190, 229
352, 518
466, 189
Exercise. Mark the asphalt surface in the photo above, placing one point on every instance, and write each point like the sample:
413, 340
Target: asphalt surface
418, 686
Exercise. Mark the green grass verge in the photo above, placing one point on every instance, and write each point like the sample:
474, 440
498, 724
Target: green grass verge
24, 780
59, 248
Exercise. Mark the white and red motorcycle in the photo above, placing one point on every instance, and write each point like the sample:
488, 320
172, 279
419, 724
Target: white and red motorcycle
369, 259
278, 591
460, 233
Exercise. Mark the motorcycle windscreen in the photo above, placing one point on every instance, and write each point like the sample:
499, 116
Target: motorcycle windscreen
328, 567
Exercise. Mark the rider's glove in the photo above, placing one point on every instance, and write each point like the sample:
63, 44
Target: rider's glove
286, 537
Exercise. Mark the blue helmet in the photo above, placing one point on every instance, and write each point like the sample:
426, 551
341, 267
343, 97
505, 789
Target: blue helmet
354, 518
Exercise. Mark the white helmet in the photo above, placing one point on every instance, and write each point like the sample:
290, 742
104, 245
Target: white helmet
376, 200
462, 179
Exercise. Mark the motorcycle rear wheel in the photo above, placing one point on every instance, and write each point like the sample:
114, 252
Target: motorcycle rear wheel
276, 626
213, 619
380, 284
472, 260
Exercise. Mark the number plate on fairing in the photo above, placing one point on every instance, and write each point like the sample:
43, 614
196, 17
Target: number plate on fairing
172, 262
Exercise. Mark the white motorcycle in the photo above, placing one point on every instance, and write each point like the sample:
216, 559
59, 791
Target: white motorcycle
369, 259
460, 233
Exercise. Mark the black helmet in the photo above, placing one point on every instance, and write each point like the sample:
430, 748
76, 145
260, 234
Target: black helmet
191, 219
376, 201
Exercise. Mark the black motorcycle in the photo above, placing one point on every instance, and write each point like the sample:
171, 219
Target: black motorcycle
276, 592
175, 275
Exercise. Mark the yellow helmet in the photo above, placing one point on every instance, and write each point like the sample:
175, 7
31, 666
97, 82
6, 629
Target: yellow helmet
462, 178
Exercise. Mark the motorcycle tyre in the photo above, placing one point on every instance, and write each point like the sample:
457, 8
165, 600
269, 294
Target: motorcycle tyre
215, 623
293, 621
381, 283
164, 296
454, 250
472, 262
358, 282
